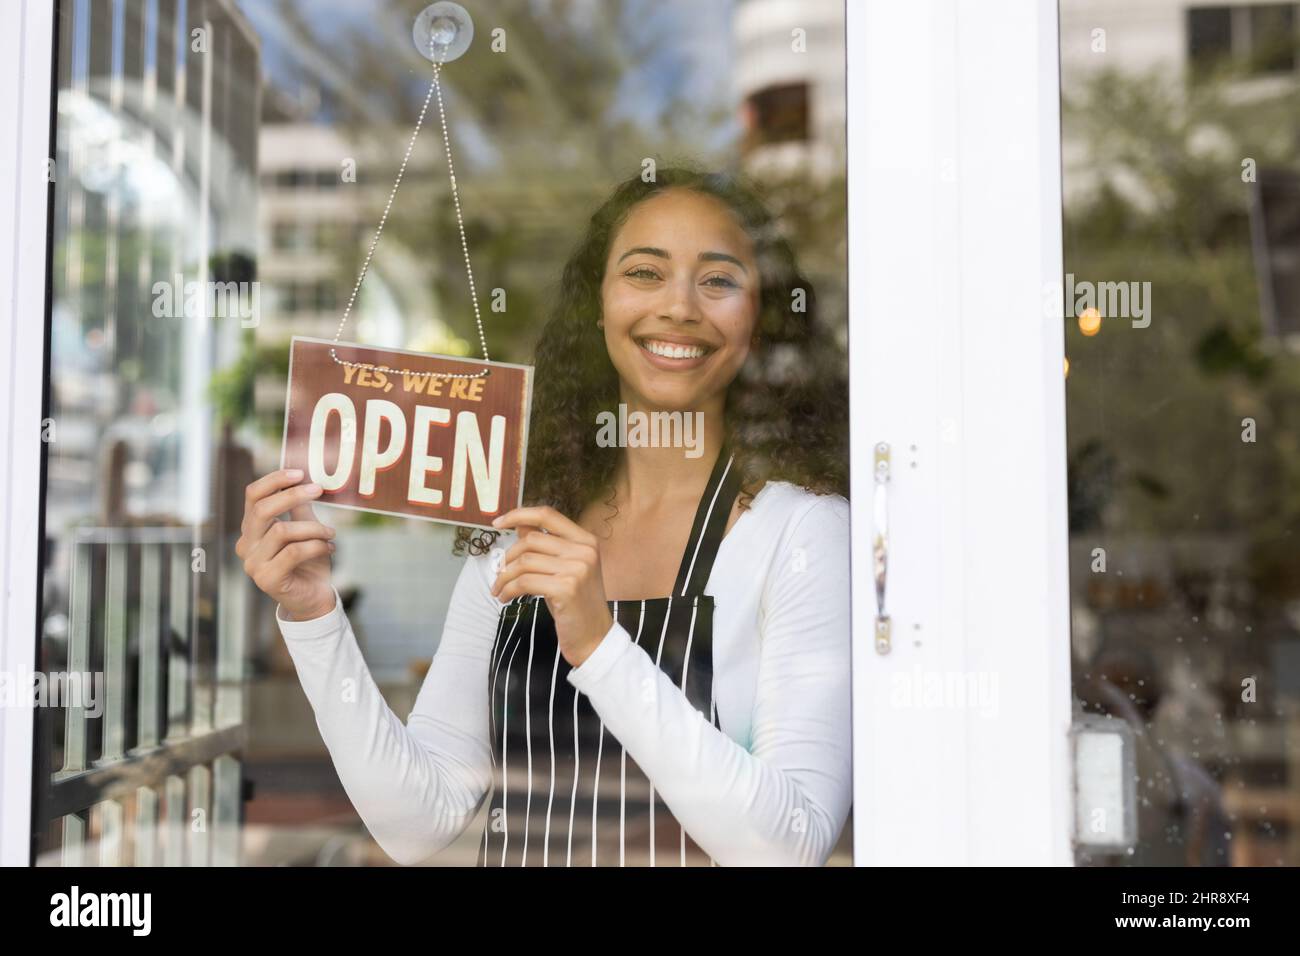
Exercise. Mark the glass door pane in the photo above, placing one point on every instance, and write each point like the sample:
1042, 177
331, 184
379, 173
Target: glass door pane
252, 145
1182, 317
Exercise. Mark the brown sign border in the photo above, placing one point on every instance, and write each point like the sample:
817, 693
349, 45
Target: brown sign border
471, 364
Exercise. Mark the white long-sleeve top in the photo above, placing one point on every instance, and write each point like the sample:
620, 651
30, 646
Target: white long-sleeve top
773, 787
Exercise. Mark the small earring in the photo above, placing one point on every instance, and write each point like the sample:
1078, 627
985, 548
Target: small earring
600, 323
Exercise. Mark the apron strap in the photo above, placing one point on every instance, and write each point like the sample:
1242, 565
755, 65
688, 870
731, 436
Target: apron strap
709, 527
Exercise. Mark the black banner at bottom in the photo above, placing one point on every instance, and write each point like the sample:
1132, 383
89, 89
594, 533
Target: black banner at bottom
335, 905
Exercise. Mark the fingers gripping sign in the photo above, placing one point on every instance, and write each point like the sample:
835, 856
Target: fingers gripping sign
556, 559
288, 560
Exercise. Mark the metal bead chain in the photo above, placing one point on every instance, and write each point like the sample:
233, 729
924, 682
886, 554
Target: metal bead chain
460, 221
434, 87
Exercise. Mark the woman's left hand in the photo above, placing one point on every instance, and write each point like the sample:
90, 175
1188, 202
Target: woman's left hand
556, 559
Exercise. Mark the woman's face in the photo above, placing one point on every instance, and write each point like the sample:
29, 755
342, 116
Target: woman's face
680, 300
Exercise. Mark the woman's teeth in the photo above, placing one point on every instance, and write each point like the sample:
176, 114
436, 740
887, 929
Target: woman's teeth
669, 350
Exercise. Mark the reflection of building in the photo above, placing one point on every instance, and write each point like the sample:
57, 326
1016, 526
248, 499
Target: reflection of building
1178, 38
155, 189
791, 83
1186, 42
1179, 42
158, 152
321, 201
1193, 612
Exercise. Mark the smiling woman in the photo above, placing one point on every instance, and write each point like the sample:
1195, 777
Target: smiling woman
772, 375
657, 668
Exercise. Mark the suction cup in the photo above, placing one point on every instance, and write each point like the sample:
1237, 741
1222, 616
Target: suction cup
443, 31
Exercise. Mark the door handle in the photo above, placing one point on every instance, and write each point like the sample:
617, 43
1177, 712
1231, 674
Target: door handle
880, 544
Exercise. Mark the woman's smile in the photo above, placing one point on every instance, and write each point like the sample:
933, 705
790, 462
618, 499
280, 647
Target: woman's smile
674, 353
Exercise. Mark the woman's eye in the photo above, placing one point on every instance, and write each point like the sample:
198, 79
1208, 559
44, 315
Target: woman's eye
722, 282
641, 272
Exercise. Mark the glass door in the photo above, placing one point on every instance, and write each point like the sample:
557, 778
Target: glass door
219, 169
1182, 315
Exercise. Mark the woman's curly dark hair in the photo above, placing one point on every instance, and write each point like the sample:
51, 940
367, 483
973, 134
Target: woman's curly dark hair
786, 412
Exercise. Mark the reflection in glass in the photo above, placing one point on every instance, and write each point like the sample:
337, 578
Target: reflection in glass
246, 141
1183, 464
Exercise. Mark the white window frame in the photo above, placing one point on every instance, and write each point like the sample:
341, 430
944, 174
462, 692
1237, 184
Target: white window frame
954, 236
26, 59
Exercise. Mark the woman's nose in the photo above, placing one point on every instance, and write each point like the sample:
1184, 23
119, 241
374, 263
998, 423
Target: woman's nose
679, 303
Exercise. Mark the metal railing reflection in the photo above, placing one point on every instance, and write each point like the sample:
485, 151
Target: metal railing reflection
165, 785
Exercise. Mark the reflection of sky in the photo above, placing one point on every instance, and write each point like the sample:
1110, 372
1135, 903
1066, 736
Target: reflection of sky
689, 55
687, 46
113, 158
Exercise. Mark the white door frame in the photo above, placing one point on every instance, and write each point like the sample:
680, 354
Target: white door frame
26, 59
954, 234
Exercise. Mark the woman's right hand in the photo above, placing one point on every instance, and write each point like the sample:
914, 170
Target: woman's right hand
288, 560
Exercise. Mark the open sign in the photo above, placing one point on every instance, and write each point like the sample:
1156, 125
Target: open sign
387, 430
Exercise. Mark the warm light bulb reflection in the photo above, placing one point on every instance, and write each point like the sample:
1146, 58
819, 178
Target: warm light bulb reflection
1090, 321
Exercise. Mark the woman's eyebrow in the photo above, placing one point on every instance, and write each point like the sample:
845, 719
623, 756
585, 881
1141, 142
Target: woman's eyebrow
704, 256
648, 250
722, 257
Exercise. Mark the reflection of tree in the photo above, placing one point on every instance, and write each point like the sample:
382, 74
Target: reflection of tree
537, 137
232, 388
118, 306
1090, 473
1169, 206
540, 133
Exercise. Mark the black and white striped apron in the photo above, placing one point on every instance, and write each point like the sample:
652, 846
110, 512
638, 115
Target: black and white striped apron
565, 791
